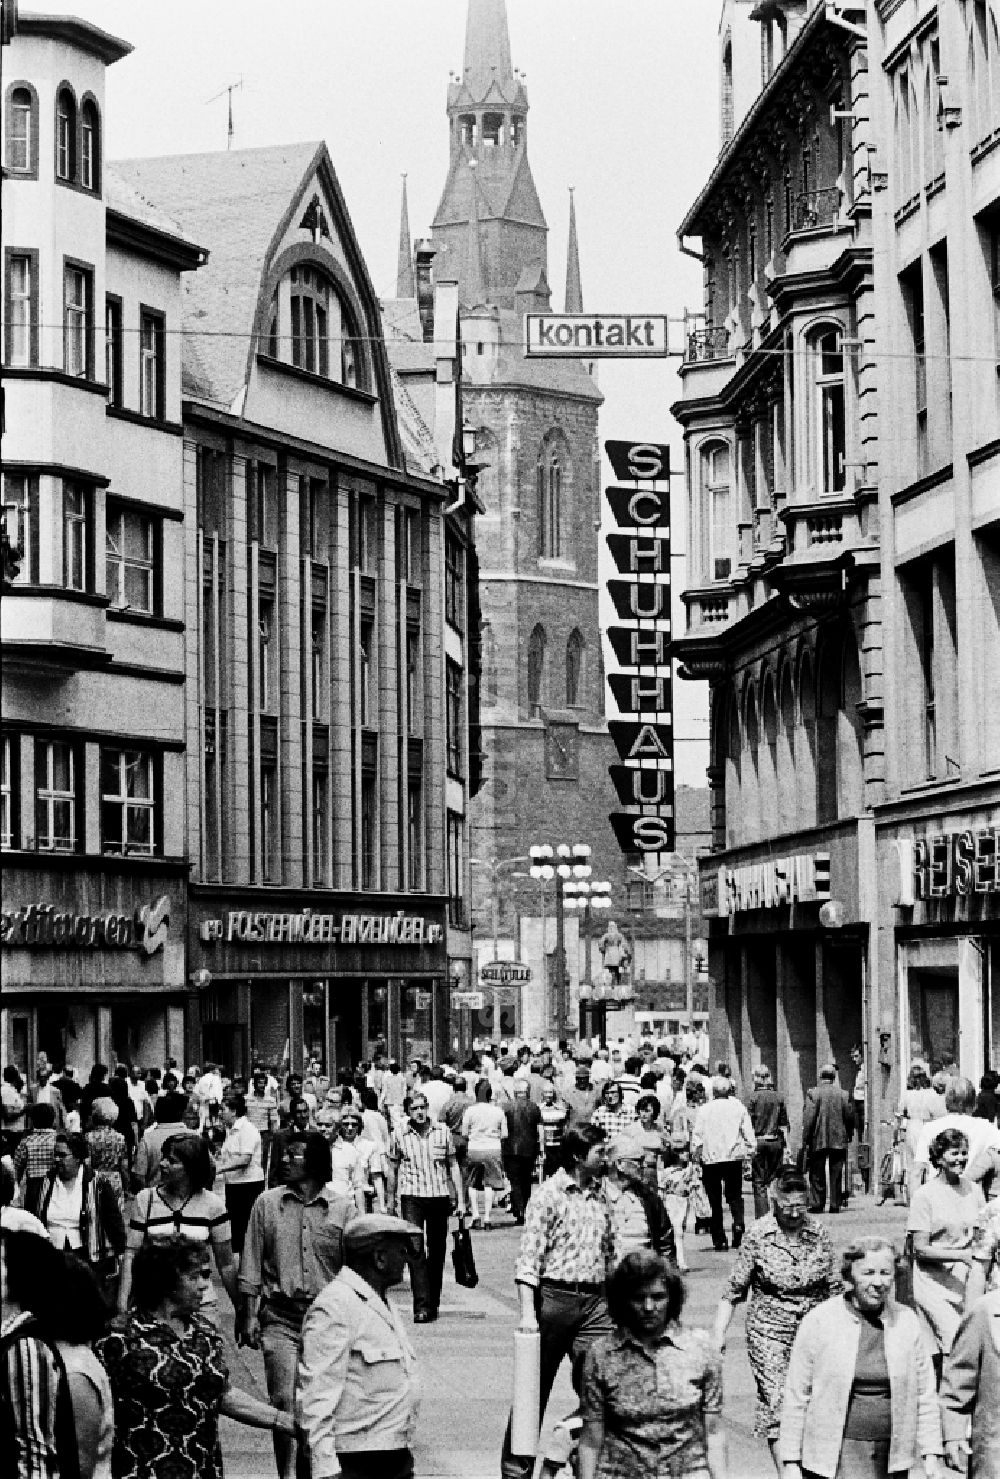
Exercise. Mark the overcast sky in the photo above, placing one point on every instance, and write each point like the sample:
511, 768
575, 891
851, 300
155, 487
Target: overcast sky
623, 106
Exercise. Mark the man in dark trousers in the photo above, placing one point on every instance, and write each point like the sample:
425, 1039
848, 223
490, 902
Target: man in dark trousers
423, 1179
827, 1126
521, 1148
770, 1124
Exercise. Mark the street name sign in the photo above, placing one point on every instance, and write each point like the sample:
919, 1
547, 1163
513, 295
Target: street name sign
595, 336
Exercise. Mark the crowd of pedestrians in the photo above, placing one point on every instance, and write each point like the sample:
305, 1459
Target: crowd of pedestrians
304, 1201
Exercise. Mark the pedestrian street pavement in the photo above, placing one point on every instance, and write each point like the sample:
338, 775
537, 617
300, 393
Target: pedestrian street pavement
465, 1360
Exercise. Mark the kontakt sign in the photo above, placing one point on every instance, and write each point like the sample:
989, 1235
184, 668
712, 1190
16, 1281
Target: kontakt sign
595, 335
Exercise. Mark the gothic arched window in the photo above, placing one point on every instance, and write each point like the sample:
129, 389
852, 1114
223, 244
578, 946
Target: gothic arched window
575, 652
489, 661
488, 481
310, 325
536, 669
553, 480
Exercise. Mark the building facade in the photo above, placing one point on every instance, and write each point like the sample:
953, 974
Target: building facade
321, 725
544, 738
92, 628
783, 607
935, 87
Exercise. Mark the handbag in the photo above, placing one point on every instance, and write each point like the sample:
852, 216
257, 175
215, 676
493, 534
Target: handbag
461, 1256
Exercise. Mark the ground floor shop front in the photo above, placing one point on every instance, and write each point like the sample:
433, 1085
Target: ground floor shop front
789, 959
290, 978
939, 929
92, 958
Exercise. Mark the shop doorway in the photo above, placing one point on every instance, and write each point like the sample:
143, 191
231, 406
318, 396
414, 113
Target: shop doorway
345, 1024
934, 1020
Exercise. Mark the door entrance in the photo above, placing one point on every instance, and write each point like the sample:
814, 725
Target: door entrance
933, 1001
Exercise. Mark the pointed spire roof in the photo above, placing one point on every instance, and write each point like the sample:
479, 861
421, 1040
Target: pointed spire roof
574, 287
487, 48
405, 286
474, 283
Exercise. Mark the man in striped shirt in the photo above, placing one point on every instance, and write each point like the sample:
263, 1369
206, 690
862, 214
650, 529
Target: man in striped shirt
423, 1179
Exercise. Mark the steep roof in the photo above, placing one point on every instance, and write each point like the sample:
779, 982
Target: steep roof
574, 286
487, 49
235, 202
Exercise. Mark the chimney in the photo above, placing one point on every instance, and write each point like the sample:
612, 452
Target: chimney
425, 252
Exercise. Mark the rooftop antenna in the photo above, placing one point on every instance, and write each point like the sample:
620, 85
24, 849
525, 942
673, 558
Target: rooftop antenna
232, 87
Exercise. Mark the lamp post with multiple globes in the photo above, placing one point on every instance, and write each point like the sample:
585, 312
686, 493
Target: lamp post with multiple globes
564, 863
586, 896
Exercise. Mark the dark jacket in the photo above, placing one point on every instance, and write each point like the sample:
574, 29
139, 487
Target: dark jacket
828, 1118
523, 1117
102, 1228
661, 1232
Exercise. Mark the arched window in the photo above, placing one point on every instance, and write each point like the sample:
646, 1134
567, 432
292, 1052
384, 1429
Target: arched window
311, 326
536, 670
90, 146
718, 519
492, 130
550, 475
22, 129
489, 661
827, 709
767, 766
575, 653
488, 481
829, 426
805, 767
65, 134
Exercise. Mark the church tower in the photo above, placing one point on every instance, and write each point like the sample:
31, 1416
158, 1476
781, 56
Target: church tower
542, 697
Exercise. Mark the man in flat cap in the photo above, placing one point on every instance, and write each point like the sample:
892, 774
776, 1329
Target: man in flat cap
357, 1392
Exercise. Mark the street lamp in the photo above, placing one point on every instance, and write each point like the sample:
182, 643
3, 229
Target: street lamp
565, 863
495, 865
586, 897
680, 876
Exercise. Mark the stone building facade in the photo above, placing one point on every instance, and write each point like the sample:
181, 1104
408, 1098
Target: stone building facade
781, 431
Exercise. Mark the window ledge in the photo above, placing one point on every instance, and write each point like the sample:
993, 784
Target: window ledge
155, 423
551, 562
145, 619
87, 190
59, 593
935, 186
30, 857
907, 209
984, 146
62, 377
352, 393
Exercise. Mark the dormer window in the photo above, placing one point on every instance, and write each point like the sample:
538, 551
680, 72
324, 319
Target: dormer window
311, 326
65, 135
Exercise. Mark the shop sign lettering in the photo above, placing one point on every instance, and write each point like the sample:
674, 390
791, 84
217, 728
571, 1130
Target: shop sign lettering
943, 865
43, 927
803, 878
243, 926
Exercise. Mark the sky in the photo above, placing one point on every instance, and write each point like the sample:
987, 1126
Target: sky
623, 99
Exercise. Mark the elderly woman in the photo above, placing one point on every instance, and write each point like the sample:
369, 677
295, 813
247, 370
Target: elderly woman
951, 1245
182, 1205
108, 1146
168, 1373
785, 1265
612, 1114
80, 1210
652, 1392
859, 1396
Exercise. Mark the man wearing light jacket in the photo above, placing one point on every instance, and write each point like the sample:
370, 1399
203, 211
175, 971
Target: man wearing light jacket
722, 1137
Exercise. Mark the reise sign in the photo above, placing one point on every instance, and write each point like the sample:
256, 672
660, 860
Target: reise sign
640, 550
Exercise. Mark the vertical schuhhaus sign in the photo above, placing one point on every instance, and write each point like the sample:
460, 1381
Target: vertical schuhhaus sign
640, 593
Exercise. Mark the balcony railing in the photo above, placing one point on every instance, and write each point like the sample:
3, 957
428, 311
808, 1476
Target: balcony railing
704, 345
815, 208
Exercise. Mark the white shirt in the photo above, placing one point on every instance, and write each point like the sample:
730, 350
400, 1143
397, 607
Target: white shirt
347, 1176
981, 1135
139, 1097
723, 1130
437, 1092
65, 1207
243, 1139
600, 1070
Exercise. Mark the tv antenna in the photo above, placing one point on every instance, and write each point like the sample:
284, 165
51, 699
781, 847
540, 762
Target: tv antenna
228, 93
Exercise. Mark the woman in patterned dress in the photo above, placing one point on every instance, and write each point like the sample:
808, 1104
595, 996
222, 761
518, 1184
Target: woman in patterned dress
786, 1265
168, 1374
108, 1148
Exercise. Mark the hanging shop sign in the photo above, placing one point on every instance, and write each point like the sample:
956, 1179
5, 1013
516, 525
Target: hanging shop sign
801, 878
504, 973
946, 865
304, 927
643, 693
595, 336
44, 927
473, 1000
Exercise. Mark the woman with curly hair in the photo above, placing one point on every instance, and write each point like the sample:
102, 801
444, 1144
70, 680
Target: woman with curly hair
168, 1373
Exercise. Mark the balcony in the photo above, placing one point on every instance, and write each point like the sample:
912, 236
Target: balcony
42, 627
704, 345
816, 208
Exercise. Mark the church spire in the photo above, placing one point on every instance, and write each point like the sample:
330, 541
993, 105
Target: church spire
474, 285
487, 47
405, 287
574, 287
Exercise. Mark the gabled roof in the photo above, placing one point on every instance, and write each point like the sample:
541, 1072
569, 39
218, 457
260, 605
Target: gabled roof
240, 203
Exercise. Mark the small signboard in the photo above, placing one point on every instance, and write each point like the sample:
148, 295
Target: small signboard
474, 1000
504, 973
595, 336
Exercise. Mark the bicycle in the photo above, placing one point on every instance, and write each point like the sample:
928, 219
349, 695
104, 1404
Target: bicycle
892, 1170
